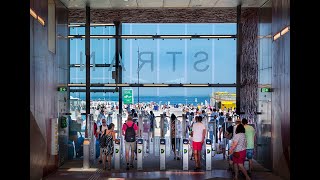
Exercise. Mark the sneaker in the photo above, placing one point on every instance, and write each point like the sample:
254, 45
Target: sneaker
127, 168
178, 158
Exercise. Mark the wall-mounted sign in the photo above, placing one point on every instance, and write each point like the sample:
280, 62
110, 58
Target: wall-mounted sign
265, 89
62, 89
127, 96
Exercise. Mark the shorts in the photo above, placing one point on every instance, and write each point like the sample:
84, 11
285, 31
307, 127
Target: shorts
196, 146
249, 153
241, 158
130, 144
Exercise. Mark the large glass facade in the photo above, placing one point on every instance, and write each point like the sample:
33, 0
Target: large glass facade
167, 61
175, 61
162, 61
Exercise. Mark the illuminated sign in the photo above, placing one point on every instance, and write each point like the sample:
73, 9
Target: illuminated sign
62, 89
265, 89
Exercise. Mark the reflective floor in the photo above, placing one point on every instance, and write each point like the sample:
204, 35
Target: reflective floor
73, 170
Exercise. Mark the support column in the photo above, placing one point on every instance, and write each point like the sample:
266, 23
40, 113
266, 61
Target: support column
87, 46
118, 65
239, 53
86, 143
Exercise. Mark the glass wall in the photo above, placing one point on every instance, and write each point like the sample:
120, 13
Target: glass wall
175, 61
102, 51
263, 123
168, 61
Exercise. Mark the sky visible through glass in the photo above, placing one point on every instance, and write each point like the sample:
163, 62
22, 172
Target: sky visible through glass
161, 61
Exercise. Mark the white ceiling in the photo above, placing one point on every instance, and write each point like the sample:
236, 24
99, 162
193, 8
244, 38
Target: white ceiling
104, 4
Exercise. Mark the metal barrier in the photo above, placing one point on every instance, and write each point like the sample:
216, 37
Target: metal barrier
92, 139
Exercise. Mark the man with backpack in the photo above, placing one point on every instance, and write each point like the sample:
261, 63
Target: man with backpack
130, 132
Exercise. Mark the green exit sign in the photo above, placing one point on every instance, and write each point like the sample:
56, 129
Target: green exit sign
265, 89
62, 89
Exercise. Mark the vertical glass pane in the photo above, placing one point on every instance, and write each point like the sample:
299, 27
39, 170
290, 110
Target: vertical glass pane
77, 51
102, 30
102, 51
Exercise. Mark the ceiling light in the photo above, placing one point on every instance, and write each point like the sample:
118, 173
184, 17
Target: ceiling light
285, 30
126, 0
127, 5
41, 21
276, 36
33, 14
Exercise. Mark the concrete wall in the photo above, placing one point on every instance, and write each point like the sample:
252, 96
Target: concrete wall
281, 86
47, 70
168, 15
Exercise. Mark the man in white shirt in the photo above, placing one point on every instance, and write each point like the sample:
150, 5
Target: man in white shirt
198, 136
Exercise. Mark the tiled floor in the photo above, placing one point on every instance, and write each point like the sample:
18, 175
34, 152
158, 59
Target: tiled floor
73, 170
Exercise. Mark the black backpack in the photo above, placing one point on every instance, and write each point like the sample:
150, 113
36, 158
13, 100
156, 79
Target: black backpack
130, 135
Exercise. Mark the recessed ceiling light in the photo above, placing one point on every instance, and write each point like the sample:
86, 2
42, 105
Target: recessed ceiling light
126, 0
127, 5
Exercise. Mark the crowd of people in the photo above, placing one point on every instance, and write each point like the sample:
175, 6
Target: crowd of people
224, 128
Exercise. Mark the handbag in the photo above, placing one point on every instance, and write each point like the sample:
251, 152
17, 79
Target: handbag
236, 154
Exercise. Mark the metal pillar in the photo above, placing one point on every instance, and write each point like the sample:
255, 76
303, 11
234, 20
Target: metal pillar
161, 126
239, 53
86, 143
118, 52
87, 46
183, 125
